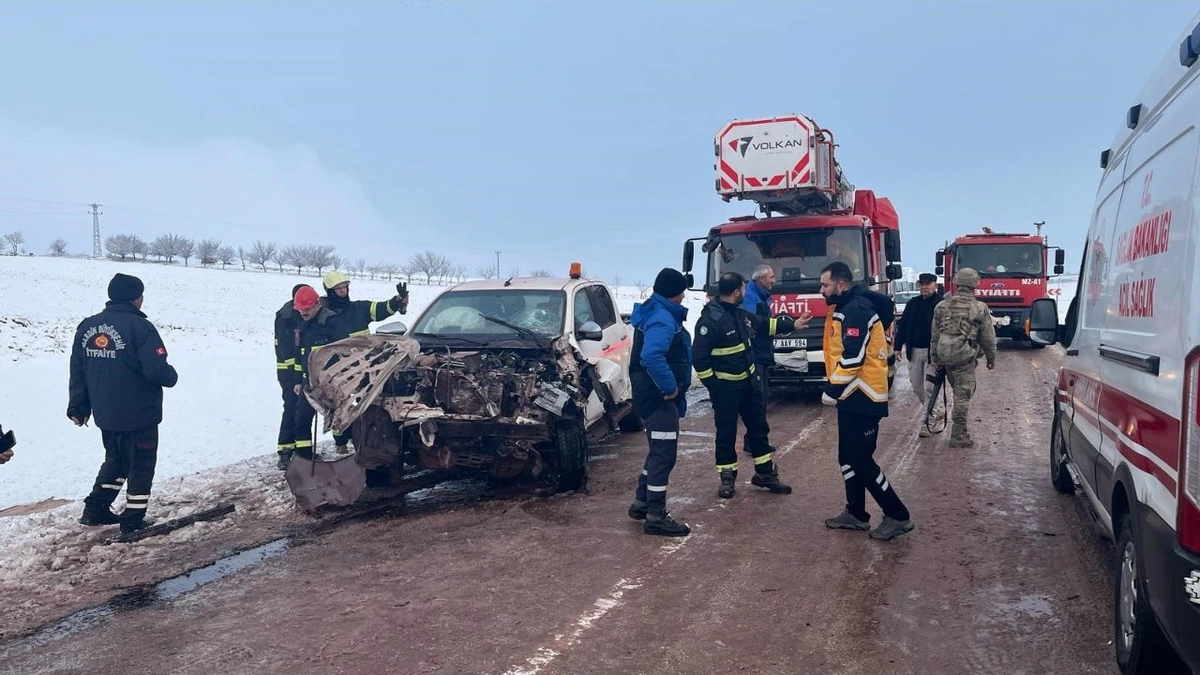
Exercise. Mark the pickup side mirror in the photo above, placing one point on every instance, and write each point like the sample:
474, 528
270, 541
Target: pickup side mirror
894, 272
1043, 321
590, 330
392, 328
1060, 257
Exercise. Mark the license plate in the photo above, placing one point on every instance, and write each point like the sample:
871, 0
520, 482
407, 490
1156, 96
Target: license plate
791, 343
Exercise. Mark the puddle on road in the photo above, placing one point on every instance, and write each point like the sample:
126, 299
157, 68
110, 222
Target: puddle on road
162, 592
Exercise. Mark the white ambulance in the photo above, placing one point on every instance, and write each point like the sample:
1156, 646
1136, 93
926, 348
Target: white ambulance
1127, 412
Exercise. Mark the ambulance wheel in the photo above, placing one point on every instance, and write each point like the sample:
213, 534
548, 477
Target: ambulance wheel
1060, 476
1141, 648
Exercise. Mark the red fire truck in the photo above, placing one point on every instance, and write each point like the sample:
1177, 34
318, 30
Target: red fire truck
812, 216
1013, 271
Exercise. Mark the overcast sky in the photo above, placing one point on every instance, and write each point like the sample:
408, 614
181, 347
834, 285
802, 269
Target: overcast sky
552, 131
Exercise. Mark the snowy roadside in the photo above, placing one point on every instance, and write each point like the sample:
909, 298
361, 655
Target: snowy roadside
53, 566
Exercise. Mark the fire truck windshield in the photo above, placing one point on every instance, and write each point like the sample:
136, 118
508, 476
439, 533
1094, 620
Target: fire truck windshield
796, 256
1013, 260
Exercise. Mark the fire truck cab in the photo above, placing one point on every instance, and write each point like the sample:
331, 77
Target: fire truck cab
1013, 271
813, 217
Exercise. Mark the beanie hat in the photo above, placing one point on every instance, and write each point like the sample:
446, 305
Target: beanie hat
125, 288
670, 283
305, 297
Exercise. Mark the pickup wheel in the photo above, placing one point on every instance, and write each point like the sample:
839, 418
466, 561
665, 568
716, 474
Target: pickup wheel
1140, 645
569, 470
1059, 475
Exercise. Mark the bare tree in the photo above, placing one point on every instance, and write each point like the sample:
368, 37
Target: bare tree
486, 271
14, 239
541, 273
184, 248
226, 255
262, 253
616, 282
163, 247
294, 256
206, 251
241, 256
360, 266
514, 272
373, 270
140, 247
408, 270
335, 261
641, 288
120, 245
430, 264
58, 248
321, 256
280, 258
391, 269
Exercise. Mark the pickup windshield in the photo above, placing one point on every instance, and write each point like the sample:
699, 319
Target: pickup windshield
465, 313
993, 260
797, 256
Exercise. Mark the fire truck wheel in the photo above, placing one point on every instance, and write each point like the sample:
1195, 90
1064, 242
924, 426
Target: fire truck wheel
1059, 475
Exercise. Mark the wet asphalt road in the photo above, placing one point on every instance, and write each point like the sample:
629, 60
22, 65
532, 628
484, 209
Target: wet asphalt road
1002, 574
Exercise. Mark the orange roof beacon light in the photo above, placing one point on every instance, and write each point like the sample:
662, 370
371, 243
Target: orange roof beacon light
576, 270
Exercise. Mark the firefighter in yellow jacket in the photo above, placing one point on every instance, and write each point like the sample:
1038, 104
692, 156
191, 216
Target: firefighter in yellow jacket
856, 362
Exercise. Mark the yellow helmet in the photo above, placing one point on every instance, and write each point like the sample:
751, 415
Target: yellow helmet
333, 278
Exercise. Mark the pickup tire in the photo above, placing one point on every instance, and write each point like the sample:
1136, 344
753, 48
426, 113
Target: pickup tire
1060, 476
1141, 648
569, 471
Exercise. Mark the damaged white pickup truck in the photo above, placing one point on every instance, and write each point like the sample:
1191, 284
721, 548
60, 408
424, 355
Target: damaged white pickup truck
501, 378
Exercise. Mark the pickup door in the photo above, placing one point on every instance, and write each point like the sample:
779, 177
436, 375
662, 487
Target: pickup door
593, 302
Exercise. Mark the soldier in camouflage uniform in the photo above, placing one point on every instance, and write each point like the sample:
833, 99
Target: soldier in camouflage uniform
962, 331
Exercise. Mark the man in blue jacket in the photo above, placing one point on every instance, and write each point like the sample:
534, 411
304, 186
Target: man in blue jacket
118, 371
660, 371
757, 300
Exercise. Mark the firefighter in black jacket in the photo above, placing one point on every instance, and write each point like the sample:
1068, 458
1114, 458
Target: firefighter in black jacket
354, 317
316, 330
724, 359
287, 344
118, 371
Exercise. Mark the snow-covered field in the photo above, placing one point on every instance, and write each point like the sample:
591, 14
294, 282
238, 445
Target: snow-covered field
217, 326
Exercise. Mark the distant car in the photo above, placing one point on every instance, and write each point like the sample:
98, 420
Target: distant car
902, 299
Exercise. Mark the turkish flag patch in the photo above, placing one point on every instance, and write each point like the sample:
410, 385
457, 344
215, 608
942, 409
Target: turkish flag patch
161, 351
852, 332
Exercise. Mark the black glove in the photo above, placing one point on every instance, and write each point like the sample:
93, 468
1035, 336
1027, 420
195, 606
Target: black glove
402, 291
784, 324
7, 440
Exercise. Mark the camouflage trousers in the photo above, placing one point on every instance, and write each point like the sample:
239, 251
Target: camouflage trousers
962, 383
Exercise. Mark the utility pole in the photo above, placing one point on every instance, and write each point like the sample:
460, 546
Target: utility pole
96, 252
497, 264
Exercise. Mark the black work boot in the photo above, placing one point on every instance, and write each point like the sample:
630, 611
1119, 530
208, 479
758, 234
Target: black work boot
728, 483
285, 456
664, 525
637, 510
94, 516
131, 524
770, 480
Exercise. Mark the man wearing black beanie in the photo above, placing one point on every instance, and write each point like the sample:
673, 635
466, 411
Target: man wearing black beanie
118, 371
287, 371
660, 370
